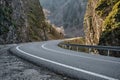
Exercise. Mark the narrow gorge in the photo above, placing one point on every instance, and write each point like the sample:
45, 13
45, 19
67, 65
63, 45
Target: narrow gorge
66, 13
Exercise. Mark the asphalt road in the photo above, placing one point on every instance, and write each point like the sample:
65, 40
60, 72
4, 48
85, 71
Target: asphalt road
74, 64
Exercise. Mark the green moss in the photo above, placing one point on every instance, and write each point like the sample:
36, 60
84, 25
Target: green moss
104, 7
111, 26
111, 38
33, 35
5, 19
113, 18
35, 18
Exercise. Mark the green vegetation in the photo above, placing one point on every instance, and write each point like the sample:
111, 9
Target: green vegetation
105, 6
36, 20
102, 24
5, 19
39, 29
24, 22
113, 19
111, 29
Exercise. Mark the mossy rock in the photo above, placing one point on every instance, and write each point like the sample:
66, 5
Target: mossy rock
111, 29
5, 19
113, 18
104, 7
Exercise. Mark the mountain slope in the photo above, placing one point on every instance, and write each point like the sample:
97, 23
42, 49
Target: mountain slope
66, 13
22, 21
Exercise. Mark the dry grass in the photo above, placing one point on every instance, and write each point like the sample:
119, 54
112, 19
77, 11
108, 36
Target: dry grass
78, 40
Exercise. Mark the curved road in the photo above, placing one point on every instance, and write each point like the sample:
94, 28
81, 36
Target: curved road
74, 64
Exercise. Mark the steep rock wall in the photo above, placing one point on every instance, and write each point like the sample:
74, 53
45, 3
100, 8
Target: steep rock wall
92, 24
101, 22
22, 21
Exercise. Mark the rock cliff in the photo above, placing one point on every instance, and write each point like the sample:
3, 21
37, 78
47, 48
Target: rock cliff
23, 21
102, 22
92, 24
66, 13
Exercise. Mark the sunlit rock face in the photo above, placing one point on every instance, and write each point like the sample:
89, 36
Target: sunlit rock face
92, 24
102, 22
66, 13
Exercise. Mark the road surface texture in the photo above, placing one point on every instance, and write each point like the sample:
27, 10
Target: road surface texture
15, 68
74, 64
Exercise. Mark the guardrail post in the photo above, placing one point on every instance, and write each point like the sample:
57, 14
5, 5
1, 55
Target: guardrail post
64, 46
69, 47
89, 50
108, 52
77, 48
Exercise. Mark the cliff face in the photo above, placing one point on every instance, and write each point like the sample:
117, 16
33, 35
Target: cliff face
22, 21
92, 24
102, 22
67, 13
111, 26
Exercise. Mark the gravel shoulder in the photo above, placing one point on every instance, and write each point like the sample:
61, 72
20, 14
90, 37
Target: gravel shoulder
15, 68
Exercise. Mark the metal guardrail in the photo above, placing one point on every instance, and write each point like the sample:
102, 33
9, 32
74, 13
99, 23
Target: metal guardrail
107, 48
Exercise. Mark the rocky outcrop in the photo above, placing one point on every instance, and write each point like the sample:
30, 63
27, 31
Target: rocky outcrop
22, 21
102, 21
66, 13
102, 24
111, 25
92, 24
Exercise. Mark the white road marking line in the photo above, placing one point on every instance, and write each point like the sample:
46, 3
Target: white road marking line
67, 66
43, 46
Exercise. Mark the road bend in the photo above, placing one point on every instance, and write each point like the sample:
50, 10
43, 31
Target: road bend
71, 63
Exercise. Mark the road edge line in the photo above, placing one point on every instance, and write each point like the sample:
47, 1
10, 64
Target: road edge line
67, 66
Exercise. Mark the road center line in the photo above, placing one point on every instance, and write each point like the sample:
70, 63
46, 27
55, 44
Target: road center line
43, 46
67, 66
